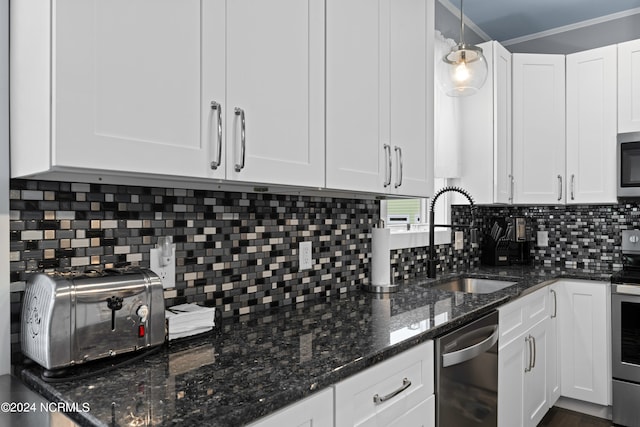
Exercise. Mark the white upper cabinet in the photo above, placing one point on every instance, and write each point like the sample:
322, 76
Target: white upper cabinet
486, 135
90, 90
131, 87
591, 126
379, 96
539, 128
629, 86
275, 75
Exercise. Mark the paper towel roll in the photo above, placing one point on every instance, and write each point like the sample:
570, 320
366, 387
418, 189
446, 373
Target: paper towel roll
380, 257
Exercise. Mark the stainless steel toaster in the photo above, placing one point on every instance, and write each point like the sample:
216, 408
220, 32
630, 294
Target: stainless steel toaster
68, 319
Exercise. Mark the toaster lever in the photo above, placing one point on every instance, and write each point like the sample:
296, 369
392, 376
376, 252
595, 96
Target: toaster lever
114, 304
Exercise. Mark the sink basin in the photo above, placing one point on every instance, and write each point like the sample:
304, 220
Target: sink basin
474, 286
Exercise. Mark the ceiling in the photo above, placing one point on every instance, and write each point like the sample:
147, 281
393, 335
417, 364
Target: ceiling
506, 20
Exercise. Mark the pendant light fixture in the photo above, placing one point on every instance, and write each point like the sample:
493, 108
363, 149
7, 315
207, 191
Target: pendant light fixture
463, 70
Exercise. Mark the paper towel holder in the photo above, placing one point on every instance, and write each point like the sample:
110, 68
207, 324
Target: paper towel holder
381, 279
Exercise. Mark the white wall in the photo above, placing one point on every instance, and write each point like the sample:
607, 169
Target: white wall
5, 325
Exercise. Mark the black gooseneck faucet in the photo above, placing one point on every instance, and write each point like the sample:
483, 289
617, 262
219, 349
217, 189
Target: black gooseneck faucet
432, 263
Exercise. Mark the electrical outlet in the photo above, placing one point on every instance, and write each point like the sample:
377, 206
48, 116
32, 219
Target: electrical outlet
304, 252
542, 239
459, 240
166, 272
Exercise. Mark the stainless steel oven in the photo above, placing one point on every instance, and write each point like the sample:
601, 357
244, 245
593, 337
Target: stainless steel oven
629, 165
625, 333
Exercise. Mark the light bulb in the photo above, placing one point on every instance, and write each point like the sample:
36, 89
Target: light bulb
461, 73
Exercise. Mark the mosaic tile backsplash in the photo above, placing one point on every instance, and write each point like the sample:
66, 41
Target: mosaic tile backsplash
580, 236
239, 251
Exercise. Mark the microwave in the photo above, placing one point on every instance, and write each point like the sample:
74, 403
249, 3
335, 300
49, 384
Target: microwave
629, 165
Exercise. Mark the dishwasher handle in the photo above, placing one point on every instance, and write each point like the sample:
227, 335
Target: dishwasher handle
468, 353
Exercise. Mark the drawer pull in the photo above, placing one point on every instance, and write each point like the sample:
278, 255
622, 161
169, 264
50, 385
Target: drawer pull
377, 399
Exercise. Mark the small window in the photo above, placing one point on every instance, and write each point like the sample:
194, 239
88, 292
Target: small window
414, 213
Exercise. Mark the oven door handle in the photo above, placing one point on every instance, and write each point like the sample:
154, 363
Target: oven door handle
468, 353
627, 289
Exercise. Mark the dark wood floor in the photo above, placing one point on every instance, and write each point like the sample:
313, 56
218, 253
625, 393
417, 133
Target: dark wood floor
559, 417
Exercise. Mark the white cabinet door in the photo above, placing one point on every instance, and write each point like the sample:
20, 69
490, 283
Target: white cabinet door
553, 350
275, 74
126, 86
378, 133
584, 328
513, 359
539, 128
356, 158
629, 86
485, 161
503, 181
536, 403
522, 379
592, 126
314, 411
407, 93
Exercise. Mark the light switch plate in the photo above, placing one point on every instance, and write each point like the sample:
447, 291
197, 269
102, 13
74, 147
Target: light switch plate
305, 255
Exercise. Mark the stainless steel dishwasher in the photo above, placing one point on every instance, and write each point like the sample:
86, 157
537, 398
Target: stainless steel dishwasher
467, 375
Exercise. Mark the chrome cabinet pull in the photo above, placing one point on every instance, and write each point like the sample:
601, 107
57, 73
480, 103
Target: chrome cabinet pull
555, 304
218, 108
387, 151
399, 158
528, 342
243, 141
533, 364
377, 399
511, 188
559, 187
573, 186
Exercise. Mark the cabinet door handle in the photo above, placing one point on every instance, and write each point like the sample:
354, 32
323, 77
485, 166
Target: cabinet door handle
387, 152
555, 304
218, 108
511, 188
400, 166
528, 343
573, 186
377, 399
243, 140
559, 187
533, 339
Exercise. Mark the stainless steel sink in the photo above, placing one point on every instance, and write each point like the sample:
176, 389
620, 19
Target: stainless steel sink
474, 286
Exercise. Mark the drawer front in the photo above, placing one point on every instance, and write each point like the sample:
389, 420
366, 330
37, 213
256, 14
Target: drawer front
518, 316
354, 397
512, 321
537, 306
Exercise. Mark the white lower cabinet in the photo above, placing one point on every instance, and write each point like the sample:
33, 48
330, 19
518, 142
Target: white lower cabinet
523, 361
585, 340
314, 411
553, 342
369, 398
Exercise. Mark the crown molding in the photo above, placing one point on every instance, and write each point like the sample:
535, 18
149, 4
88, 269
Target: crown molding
571, 27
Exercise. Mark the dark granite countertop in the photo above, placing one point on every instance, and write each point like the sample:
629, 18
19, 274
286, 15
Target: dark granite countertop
253, 366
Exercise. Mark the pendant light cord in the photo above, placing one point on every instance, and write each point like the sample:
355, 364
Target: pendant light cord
461, 22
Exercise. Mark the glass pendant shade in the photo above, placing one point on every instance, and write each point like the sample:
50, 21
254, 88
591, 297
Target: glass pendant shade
463, 70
